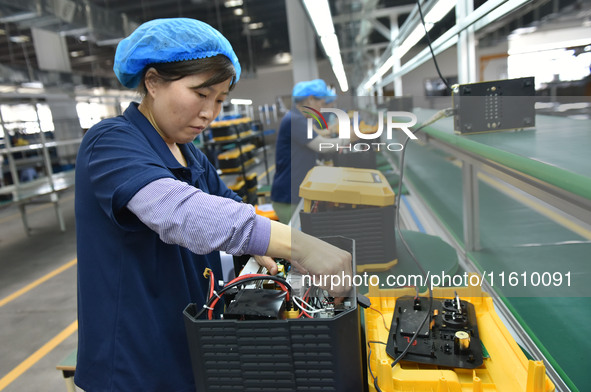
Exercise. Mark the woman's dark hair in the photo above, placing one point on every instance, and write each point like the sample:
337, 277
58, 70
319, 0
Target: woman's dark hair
219, 65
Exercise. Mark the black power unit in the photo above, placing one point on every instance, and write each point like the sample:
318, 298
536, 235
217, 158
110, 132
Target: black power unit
494, 106
262, 352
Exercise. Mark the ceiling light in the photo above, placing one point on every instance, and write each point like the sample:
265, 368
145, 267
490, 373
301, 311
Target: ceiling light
238, 101
331, 45
20, 39
435, 14
77, 53
439, 10
238, 11
33, 84
83, 38
339, 72
319, 12
232, 3
246, 19
254, 26
282, 58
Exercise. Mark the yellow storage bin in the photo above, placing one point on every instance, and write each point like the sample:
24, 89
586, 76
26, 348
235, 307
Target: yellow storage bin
231, 129
239, 187
230, 161
346, 185
505, 370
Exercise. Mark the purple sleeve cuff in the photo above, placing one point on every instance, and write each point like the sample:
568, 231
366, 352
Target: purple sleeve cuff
259, 236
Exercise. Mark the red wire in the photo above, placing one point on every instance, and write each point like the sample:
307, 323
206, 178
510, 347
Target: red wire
303, 313
238, 279
211, 285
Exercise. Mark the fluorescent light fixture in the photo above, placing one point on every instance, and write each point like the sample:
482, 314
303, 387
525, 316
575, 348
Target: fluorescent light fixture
413, 38
238, 101
319, 12
19, 39
339, 72
435, 14
282, 58
439, 10
77, 53
34, 84
330, 43
232, 3
238, 11
254, 26
246, 19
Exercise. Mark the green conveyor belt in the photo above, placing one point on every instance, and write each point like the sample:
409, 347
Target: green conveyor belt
555, 151
515, 238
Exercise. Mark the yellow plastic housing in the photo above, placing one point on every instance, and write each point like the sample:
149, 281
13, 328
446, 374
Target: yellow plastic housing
506, 370
346, 185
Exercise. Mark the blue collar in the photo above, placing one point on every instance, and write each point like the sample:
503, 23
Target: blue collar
133, 115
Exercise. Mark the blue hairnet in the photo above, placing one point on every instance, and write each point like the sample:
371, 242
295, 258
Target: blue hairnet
331, 95
316, 88
165, 41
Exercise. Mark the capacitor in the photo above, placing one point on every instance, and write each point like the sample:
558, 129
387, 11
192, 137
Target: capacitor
462, 341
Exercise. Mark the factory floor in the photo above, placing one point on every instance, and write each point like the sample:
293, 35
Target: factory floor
37, 296
38, 326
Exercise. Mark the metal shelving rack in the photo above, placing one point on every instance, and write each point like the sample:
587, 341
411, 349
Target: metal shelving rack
257, 128
50, 184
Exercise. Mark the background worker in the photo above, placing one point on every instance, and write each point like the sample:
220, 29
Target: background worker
295, 153
152, 213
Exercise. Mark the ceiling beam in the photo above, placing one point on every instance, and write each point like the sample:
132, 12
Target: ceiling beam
377, 13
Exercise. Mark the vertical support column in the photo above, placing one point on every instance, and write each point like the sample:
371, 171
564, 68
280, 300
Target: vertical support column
471, 207
394, 31
467, 74
49, 169
302, 42
66, 124
378, 86
44, 149
466, 44
8, 144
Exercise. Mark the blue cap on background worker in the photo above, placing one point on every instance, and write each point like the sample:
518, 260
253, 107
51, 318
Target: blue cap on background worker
316, 88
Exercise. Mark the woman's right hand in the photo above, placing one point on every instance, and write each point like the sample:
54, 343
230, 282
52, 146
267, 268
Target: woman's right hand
325, 263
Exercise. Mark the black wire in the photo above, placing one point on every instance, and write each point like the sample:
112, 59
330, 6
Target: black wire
241, 282
431, 48
437, 116
375, 379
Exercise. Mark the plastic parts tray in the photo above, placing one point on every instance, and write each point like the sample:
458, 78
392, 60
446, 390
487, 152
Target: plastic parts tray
506, 369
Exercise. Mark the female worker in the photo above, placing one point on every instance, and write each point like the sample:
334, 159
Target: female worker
151, 213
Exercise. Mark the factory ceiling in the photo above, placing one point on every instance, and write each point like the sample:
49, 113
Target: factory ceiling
257, 30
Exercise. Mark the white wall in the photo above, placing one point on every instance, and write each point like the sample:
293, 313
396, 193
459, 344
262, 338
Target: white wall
269, 84
413, 83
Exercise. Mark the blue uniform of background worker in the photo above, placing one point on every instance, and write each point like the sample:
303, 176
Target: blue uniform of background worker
151, 213
295, 153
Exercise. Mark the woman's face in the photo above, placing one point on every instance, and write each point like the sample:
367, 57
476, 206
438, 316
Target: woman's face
182, 109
